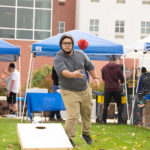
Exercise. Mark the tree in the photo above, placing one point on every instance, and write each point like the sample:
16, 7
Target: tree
42, 78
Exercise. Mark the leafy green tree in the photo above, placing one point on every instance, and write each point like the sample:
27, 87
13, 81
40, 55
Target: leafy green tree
42, 78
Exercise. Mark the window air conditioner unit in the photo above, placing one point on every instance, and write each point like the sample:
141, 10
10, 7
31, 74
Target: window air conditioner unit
146, 1
120, 1
62, 1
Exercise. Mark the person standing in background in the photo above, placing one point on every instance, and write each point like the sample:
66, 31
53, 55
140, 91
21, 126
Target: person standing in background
112, 76
143, 71
55, 88
12, 89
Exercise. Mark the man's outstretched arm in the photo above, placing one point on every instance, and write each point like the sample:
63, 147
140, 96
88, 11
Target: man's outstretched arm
75, 74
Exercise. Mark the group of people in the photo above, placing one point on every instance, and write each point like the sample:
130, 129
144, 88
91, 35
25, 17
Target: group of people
12, 88
71, 67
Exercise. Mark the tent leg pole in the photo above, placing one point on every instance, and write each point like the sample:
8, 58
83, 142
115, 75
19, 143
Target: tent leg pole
20, 88
31, 72
27, 115
27, 86
30, 82
133, 92
131, 119
125, 82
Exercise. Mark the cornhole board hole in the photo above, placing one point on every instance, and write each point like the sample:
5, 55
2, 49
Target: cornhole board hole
43, 137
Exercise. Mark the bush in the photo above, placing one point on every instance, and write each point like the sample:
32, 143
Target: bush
2, 90
100, 89
42, 78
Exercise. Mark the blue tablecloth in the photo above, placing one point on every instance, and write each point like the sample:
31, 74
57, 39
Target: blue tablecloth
147, 97
44, 102
18, 98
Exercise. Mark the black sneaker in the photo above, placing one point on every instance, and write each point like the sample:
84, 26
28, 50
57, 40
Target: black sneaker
104, 122
72, 143
87, 139
11, 112
121, 122
15, 113
52, 119
61, 120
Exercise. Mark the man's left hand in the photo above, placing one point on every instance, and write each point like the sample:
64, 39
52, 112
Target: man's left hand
96, 83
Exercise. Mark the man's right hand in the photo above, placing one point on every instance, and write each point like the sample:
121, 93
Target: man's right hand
77, 74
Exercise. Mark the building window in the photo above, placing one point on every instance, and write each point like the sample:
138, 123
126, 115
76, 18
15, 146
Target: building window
94, 25
145, 27
25, 19
7, 33
119, 29
7, 17
41, 35
119, 26
61, 27
95, 0
24, 34
146, 1
25, 3
42, 19
120, 1
8, 2
43, 3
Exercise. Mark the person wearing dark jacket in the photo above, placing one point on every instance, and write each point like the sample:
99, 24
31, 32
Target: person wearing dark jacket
112, 76
143, 70
55, 90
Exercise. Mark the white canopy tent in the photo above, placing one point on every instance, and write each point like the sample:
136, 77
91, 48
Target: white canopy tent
138, 45
138, 50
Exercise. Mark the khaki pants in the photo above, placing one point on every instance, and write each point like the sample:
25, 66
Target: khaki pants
77, 103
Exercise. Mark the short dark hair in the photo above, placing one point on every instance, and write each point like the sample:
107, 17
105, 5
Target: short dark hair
64, 37
113, 58
143, 70
12, 65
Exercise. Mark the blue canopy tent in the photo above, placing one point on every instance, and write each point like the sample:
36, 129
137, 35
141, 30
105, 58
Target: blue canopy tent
98, 48
8, 52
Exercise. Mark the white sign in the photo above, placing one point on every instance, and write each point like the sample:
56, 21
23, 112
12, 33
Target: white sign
38, 48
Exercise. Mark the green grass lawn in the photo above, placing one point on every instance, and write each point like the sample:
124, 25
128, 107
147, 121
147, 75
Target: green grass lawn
105, 137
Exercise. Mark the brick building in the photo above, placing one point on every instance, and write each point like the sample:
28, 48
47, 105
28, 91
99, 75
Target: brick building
25, 22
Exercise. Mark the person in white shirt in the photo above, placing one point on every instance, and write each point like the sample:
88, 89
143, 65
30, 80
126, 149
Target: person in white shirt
13, 87
6, 79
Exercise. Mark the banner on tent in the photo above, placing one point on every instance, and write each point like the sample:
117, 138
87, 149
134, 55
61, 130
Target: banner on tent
147, 46
38, 49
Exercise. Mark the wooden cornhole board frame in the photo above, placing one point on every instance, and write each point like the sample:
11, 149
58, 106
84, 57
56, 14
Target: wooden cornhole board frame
52, 137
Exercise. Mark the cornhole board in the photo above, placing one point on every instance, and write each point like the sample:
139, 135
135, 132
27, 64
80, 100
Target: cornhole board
49, 136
